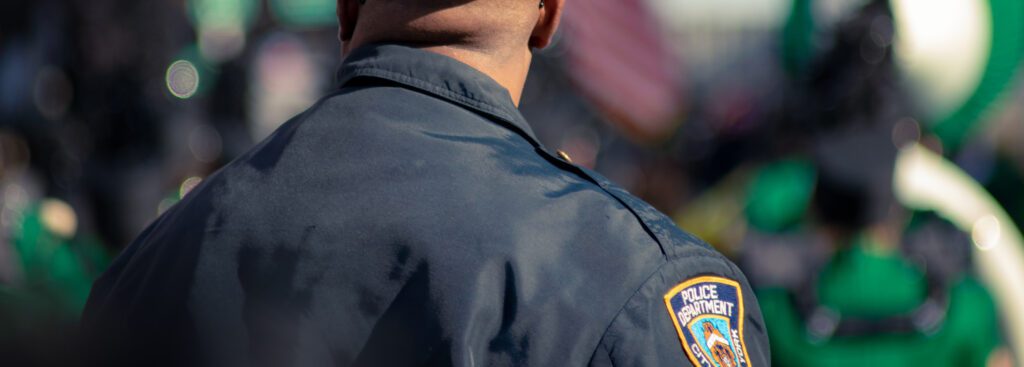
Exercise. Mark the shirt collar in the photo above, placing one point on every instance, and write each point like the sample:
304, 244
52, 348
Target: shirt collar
438, 75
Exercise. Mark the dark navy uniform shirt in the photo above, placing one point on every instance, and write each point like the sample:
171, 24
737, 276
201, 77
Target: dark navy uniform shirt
412, 218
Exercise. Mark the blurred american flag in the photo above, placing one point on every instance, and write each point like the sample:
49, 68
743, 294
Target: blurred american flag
616, 56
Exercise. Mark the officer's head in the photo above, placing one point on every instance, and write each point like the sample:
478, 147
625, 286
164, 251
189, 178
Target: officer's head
509, 28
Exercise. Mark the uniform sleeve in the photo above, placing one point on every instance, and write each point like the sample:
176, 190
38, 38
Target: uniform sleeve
694, 310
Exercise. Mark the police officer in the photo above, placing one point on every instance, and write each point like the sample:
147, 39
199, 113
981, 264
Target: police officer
412, 218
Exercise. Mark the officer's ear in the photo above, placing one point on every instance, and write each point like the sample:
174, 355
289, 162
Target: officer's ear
547, 23
348, 16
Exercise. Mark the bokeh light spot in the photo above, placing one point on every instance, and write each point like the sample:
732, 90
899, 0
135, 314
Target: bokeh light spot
182, 79
189, 184
165, 205
906, 131
59, 218
986, 232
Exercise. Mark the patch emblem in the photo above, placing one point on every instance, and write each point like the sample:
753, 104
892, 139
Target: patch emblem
708, 315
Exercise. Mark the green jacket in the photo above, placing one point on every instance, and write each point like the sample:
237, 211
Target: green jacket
866, 284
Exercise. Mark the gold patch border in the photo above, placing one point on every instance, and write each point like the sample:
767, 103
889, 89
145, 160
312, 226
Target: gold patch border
675, 321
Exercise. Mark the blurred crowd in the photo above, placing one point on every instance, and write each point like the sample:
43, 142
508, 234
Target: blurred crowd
772, 129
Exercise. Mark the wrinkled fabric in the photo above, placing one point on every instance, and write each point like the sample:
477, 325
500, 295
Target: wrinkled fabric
411, 218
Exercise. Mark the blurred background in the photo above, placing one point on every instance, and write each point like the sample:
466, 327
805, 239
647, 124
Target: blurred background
862, 160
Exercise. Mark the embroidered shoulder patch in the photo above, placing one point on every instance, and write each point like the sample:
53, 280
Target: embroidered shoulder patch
708, 315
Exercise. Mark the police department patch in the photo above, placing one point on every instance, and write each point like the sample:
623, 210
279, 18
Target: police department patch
708, 315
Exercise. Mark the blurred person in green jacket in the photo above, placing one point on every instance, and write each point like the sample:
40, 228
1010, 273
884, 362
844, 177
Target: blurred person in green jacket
869, 282
858, 280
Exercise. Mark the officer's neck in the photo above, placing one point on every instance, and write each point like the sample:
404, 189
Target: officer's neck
509, 68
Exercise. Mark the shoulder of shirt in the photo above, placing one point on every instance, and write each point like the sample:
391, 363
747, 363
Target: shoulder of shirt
458, 120
366, 134
689, 263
